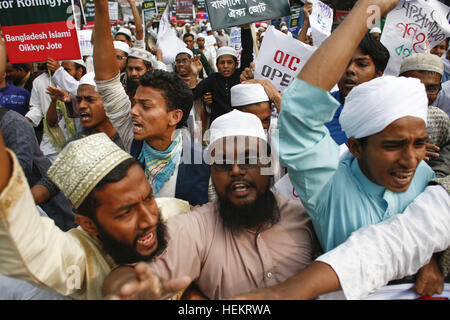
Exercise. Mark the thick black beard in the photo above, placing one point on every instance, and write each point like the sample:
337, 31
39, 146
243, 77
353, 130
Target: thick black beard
125, 254
258, 213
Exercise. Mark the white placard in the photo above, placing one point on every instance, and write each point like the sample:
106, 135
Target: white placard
84, 39
113, 8
281, 57
235, 41
321, 21
414, 26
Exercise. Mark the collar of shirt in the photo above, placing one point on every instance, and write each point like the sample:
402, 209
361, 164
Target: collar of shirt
369, 186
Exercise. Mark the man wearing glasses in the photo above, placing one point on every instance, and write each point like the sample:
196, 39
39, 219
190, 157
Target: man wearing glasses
246, 239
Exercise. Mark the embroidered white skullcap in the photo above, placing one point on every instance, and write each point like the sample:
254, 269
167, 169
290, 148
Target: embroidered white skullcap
264, 25
122, 46
422, 62
125, 31
370, 107
375, 30
226, 50
236, 123
140, 54
245, 94
185, 50
88, 78
83, 163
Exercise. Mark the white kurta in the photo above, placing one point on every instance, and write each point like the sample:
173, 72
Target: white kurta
395, 248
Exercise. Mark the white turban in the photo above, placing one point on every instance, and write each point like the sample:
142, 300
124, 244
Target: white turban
370, 107
245, 94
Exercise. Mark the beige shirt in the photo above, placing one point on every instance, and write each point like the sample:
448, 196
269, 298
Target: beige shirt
223, 264
34, 249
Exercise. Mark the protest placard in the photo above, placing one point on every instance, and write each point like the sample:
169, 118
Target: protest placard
230, 13
185, 10
281, 57
113, 8
235, 41
149, 8
321, 21
296, 13
413, 27
125, 8
36, 30
84, 39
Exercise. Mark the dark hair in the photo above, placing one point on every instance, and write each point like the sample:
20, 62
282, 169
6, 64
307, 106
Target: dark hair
24, 66
188, 35
90, 204
175, 91
124, 34
376, 50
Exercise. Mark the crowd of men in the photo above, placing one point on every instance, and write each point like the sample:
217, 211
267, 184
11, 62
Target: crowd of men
125, 177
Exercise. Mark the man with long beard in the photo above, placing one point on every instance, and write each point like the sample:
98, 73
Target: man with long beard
119, 219
246, 239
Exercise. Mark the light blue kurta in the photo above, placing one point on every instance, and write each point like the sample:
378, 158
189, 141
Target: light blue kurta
337, 195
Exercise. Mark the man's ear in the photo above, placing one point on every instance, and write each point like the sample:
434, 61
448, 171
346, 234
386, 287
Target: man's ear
87, 224
355, 147
175, 117
378, 73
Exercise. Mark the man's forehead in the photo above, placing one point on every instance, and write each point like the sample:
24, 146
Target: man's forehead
132, 61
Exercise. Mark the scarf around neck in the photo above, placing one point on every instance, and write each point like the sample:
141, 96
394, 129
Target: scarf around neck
160, 165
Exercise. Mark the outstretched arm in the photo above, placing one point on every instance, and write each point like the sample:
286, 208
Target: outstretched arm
137, 21
105, 63
323, 72
307, 9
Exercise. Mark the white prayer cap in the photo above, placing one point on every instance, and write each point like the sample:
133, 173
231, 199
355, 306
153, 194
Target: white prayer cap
208, 29
122, 46
125, 31
140, 54
261, 29
370, 107
249, 93
226, 50
187, 24
264, 25
284, 28
201, 35
422, 62
375, 30
88, 78
83, 163
185, 50
236, 123
78, 61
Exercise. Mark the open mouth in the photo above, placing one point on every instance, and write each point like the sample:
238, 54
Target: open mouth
147, 240
137, 127
85, 117
240, 188
402, 178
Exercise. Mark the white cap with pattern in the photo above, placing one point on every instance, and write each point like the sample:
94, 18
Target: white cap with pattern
83, 163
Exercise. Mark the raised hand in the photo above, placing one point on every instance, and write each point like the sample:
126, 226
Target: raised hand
196, 65
52, 64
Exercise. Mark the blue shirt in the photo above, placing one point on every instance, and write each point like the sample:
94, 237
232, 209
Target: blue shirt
15, 98
338, 197
334, 126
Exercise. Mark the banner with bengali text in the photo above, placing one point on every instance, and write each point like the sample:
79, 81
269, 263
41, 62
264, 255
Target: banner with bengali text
414, 27
229, 13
